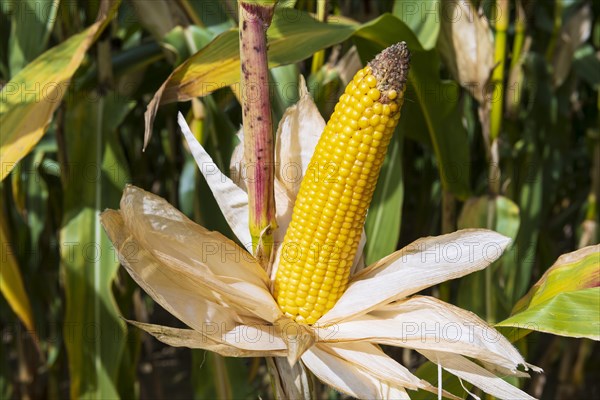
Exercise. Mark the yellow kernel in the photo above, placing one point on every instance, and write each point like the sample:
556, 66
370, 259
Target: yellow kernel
374, 120
377, 108
359, 107
374, 94
367, 101
291, 309
303, 312
392, 94
329, 212
363, 122
364, 148
351, 152
368, 131
371, 81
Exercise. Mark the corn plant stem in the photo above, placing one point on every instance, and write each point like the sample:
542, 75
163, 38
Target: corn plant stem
448, 225
319, 57
519, 50
255, 17
501, 18
519, 36
498, 74
191, 12
558, 8
221, 379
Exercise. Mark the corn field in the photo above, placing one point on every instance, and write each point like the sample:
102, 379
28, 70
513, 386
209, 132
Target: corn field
499, 130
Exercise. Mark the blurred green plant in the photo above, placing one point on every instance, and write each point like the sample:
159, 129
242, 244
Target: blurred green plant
512, 144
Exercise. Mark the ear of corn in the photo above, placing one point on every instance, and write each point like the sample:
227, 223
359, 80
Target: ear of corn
322, 239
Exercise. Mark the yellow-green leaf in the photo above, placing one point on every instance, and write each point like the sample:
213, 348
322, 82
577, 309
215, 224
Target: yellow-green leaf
293, 36
28, 101
11, 282
566, 300
97, 336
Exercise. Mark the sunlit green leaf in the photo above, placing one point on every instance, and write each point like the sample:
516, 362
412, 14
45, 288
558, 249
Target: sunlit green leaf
293, 36
502, 215
95, 179
385, 214
422, 17
28, 101
437, 99
566, 300
11, 281
32, 22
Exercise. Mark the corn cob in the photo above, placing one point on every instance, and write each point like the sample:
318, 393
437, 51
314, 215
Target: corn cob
328, 217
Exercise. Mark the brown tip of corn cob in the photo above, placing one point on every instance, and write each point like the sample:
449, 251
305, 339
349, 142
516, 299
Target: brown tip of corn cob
390, 67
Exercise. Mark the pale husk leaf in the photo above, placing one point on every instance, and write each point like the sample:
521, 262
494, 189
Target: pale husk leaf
291, 381
475, 374
179, 297
466, 45
196, 340
572, 35
359, 259
343, 375
297, 136
232, 200
298, 337
421, 264
427, 323
369, 358
221, 271
236, 164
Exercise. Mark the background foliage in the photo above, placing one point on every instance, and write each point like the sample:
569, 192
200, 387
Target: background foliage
508, 139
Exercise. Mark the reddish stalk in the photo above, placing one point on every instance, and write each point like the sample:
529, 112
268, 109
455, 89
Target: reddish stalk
255, 18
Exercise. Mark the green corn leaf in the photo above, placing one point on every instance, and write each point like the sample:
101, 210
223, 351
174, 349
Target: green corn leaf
566, 300
95, 177
436, 100
385, 214
11, 281
28, 101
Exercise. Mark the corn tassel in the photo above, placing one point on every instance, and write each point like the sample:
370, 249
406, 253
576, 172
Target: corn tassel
322, 239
